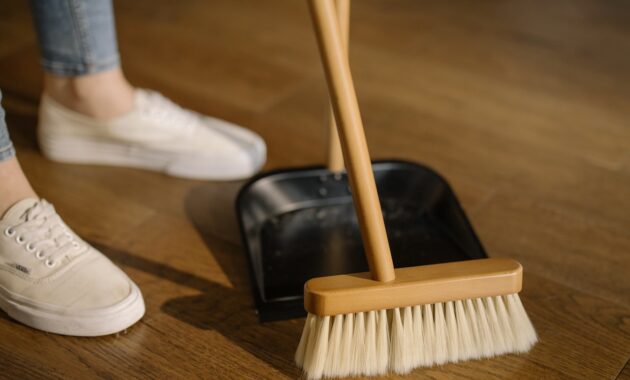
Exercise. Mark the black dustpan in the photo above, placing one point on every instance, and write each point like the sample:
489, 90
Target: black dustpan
298, 224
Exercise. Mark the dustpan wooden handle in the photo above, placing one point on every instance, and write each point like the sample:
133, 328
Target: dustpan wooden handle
335, 156
353, 143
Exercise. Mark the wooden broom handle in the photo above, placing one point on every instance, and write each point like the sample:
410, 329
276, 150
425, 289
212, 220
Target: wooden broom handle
335, 157
353, 143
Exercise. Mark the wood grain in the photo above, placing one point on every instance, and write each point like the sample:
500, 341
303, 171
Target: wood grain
421, 285
522, 106
625, 373
353, 141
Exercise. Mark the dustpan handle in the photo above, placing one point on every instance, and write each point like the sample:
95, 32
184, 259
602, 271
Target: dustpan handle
335, 156
353, 143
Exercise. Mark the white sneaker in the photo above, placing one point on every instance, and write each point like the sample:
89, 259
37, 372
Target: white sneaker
52, 280
157, 135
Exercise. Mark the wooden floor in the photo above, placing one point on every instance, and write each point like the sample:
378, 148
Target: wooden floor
523, 106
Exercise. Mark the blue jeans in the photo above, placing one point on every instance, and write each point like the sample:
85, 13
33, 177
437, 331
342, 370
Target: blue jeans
76, 37
6, 147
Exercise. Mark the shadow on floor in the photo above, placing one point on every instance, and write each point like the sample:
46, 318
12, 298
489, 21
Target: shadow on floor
230, 311
211, 208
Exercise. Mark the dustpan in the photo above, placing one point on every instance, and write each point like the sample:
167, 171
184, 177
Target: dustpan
300, 223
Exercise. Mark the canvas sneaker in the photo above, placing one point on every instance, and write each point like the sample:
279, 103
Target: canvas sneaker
156, 135
52, 280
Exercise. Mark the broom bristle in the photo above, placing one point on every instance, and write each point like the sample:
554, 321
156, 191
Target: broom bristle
376, 342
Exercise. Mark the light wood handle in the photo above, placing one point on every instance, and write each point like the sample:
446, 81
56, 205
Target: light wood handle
335, 156
353, 143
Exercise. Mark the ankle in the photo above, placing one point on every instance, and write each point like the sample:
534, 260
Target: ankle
103, 95
13, 185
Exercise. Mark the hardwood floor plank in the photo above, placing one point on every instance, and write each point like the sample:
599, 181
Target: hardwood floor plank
15, 28
564, 244
625, 372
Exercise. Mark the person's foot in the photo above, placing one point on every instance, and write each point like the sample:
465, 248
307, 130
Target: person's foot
156, 135
52, 280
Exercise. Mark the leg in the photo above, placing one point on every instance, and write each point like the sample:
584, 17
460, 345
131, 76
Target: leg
13, 184
53, 280
77, 40
90, 114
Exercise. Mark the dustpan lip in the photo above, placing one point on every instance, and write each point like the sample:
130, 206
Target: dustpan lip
273, 172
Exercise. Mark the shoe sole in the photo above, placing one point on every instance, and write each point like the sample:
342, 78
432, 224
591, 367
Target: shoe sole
89, 151
105, 321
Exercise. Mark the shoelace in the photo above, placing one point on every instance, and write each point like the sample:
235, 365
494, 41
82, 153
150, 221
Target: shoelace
43, 233
175, 117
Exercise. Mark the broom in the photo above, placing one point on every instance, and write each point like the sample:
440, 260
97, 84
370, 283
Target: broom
398, 319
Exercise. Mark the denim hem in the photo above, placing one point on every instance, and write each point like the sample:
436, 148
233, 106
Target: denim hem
7, 152
75, 69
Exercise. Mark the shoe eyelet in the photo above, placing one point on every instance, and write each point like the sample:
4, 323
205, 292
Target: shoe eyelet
9, 232
20, 239
50, 263
75, 244
30, 248
39, 255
